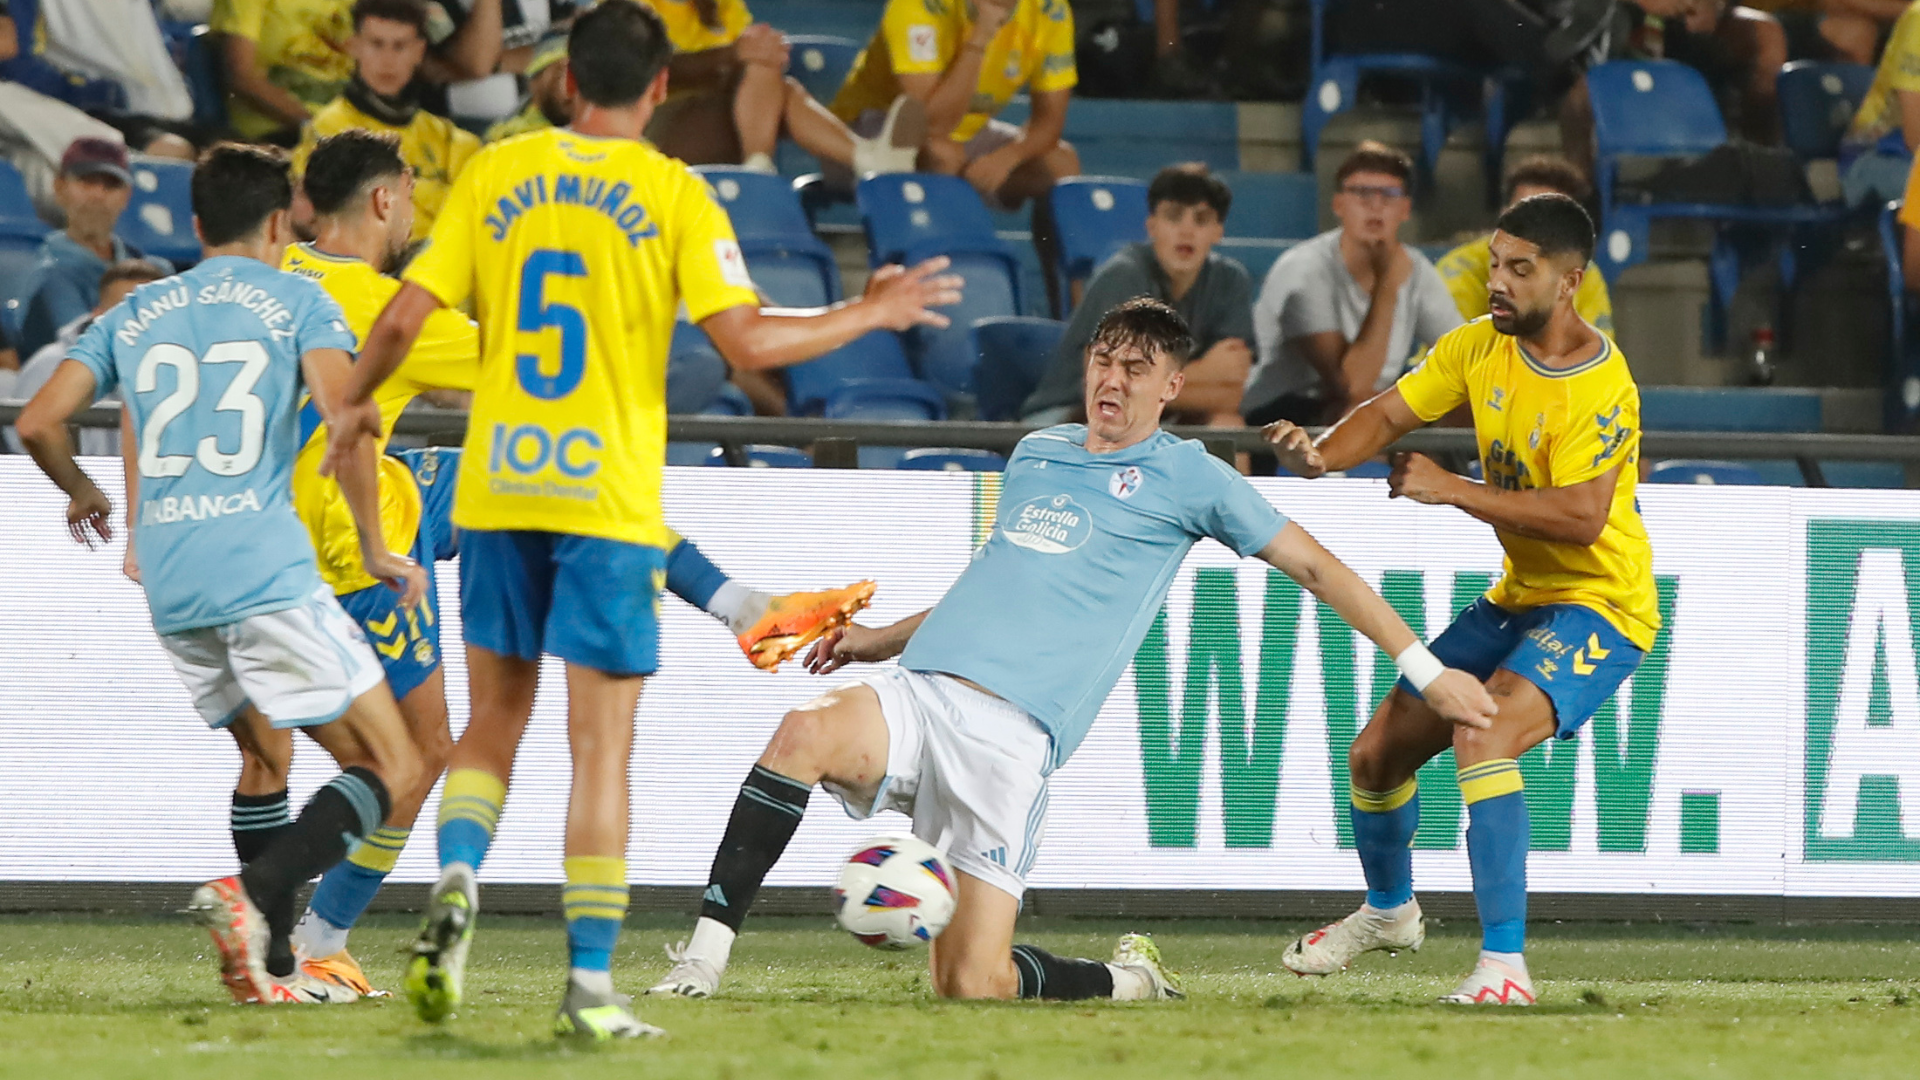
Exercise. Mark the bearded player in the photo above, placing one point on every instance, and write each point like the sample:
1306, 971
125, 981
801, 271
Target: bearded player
998, 684
1557, 418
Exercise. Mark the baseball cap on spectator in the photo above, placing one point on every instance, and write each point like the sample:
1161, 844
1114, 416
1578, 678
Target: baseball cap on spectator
96, 157
552, 48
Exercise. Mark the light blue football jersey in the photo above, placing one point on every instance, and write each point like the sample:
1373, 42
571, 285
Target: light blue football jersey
208, 363
1084, 547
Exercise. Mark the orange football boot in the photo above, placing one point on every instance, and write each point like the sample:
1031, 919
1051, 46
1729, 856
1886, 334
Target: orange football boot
796, 620
341, 969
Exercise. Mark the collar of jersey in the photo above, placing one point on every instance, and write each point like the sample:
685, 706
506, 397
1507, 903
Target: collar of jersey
312, 249
1606, 353
1075, 435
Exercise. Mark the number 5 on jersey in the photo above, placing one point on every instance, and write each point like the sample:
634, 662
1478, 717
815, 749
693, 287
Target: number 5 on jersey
536, 315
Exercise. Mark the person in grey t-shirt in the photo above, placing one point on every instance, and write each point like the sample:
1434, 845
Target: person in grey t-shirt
1343, 314
1186, 216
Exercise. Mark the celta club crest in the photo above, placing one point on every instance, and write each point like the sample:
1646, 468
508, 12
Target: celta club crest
1124, 482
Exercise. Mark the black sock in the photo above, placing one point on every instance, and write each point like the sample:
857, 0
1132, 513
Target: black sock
257, 820
350, 807
764, 817
1044, 975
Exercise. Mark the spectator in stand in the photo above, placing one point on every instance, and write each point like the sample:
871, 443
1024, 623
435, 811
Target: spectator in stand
1877, 152
112, 287
389, 43
1186, 216
1465, 269
729, 98
94, 187
285, 59
549, 102
963, 61
500, 35
22, 43
1853, 29
1342, 315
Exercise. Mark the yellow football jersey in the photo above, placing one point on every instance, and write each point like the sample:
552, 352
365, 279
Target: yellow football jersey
923, 37
1899, 71
1537, 428
300, 44
1465, 271
578, 253
690, 35
446, 357
433, 146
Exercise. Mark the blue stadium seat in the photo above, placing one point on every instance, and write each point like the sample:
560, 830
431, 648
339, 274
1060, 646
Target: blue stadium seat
1694, 408
19, 266
884, 399
1094, 217
1258, 256
760, 456
1903, 364
1704, 472
1273, 205
1137, 138
1665, 109
820, 62
914, 216
194, 52
1015, 353
1817, 102
784, 256
876, 355
159, 218
941, 459
20, 224
695, 371
731, 401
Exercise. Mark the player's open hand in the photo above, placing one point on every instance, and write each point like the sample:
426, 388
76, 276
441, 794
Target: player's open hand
400, 574
90, 517
345, 428
1295, 449
1420, 478
848, 644
905, 297
1461, 699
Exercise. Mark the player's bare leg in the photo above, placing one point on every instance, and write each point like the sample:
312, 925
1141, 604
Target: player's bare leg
1497, 836
502, 690
260, 813
1403, 735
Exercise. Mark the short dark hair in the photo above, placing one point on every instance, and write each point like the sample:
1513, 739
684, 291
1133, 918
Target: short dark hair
1556, 224
615, 51
1189, 183
236, 187
138, 271
1147, 324
343, 166
1550, 171
1376, 157
411, 12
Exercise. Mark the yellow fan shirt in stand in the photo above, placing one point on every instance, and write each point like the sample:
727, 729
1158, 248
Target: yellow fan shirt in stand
1538, 427
445, 357
434, 147
577, 252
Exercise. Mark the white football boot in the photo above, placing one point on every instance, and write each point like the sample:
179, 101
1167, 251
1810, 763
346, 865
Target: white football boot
1494, 982
1334, 946
691, 976
1137, 952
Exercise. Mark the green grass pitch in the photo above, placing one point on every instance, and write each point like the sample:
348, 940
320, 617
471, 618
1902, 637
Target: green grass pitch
122, 997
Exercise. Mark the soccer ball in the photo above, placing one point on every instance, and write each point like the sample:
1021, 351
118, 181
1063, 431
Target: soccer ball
895, 892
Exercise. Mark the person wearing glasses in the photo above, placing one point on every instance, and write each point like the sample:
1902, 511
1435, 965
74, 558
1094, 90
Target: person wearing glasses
1341, 316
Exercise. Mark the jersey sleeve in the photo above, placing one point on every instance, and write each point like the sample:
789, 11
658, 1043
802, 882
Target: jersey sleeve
921, 37
241, 18
446, 355
707, 265
1602, 433
1439, 384
95, 349
1225, 506
445, 266
1901, 61
1055, 44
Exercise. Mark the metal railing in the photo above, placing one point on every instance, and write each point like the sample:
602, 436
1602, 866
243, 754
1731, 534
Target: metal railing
834, 443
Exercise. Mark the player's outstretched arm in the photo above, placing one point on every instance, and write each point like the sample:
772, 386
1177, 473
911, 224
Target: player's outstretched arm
1453, 694
42, 426
897, 298
1574, 514
387, 344
327, 372
1359, 435
854, 643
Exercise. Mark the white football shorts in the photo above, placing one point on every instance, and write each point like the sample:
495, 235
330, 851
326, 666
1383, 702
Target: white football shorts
970, 769
300, 667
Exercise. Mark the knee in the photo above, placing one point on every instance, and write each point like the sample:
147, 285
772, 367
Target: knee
1064, 161
1368, 765
798, 741
971, 983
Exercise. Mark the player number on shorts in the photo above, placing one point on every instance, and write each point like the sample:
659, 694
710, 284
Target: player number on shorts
238, 398
537, 315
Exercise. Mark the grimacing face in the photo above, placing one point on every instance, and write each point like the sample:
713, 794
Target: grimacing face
1127, 389
1523, 285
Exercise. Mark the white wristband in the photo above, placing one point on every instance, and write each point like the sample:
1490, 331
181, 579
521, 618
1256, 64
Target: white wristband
1419, 665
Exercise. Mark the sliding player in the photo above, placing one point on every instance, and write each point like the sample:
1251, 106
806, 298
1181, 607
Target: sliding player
578, 246
212, 363
1001, 680
1558, 421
